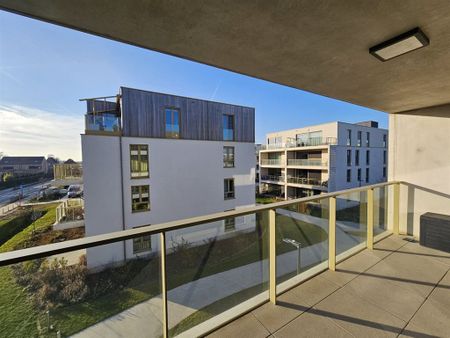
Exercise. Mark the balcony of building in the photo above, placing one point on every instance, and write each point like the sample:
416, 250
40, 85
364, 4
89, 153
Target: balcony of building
103, 116
307, 163
310, 183
277, 162
312, 143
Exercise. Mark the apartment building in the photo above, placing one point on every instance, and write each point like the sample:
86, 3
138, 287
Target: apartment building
23, 165
323, 158
150, 158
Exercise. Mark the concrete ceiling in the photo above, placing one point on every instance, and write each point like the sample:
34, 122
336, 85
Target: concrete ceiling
318, 46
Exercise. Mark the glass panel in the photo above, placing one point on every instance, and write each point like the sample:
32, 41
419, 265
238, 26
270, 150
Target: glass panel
351, 220
380, 210
301, 237
211, 269
90, 291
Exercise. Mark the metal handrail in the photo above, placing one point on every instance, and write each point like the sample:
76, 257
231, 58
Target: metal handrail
17, 256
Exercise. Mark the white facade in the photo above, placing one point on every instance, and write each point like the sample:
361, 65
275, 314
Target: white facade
186, 179
311, 160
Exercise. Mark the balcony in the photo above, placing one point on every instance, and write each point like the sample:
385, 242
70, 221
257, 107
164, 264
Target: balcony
310, 142
272, 178
308, 181
194, 276
272, 162
104, 123
307, 163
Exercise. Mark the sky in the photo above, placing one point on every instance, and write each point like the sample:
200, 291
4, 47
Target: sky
45, 69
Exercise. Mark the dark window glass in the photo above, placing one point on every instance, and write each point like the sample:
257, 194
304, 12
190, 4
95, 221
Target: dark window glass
228, 157
172, 123
367, 174
357, 157
228, 127
349, 137
140, 198
358, 142
349, 175
349, 157
228, 188
367, 157
359, 174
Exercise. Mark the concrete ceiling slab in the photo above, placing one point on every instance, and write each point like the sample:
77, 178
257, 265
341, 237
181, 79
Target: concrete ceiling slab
318, 46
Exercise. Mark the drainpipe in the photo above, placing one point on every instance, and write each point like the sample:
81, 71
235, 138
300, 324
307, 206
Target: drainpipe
122, 186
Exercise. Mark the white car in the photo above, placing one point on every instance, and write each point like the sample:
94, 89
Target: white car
74, 191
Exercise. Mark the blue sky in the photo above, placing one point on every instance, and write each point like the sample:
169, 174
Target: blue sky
45, 69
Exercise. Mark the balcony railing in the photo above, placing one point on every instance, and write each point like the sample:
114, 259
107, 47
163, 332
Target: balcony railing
276, 161
71, 210
68, 171
307, 163
193, 264
310, 142
274, 178
103, 123
307, 181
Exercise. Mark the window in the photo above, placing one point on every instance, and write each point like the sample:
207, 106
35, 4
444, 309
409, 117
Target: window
384, 140
172, 123
367, 157
349, 175
357, 157
358, 142
228, 188
229, 224
349, 137
367, 175
139, 160
349, 157
142, 244
368, 139
140, 198
228, 157
384, 171
384, 156
359, 174
228, 127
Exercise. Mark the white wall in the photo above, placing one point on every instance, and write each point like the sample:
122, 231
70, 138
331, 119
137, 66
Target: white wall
102, 195
419, 153
186, 180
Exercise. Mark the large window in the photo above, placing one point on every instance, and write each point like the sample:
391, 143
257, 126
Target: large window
349, 157
139, 160
228, 157
140, 198
228, 127
349, 137
358, 141
356, 157
349, 175
228, 188
384, 140
359, 174
172, 123
384, 156
367, 175
367, 157
368, 139
142, 244
384, 171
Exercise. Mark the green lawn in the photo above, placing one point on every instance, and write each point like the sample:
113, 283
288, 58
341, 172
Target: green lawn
139, 280
12, 225
265, 200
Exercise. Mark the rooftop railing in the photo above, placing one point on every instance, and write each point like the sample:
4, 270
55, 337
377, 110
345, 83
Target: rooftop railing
293, 143
197, 277
103, 123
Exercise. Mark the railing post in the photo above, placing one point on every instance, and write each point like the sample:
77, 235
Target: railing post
165, 318
370, 212
272, 258
396, 210
332, 234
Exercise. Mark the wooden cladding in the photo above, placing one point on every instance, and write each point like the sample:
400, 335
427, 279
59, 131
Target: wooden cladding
143, 115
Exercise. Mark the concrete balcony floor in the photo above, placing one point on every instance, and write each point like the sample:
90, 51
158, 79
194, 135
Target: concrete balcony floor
398, 289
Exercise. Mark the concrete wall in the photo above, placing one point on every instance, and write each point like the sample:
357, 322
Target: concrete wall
419, 153
186, 180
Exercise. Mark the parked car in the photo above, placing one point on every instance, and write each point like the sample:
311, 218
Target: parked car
74, 191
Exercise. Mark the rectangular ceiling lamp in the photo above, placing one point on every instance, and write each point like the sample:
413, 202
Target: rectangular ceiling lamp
402, 44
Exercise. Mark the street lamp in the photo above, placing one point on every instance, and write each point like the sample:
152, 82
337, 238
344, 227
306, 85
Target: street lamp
298, 246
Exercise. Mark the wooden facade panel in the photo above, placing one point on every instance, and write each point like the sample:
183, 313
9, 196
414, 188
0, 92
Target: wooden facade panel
143, 115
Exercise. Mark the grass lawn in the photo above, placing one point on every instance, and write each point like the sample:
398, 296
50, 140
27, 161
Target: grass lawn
142, 280
13, 224
265, 200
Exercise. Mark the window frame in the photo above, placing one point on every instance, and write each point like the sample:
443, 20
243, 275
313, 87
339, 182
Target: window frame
233, 118
349, 157
229, 224
229, 194
225, 161
141, 240
140, 198
349, 137
170, 134
349, 175
368, 139
359, 138
139, 161
367, 157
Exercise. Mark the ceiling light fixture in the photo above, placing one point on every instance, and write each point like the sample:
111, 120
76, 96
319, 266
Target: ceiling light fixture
402, 44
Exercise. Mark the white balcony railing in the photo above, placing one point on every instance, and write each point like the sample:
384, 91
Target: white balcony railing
190, 257
293, 143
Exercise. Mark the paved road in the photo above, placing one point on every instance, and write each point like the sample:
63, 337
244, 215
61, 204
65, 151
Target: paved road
144, 320
7, 195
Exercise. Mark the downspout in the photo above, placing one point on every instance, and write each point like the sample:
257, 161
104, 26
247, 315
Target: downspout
121, 178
